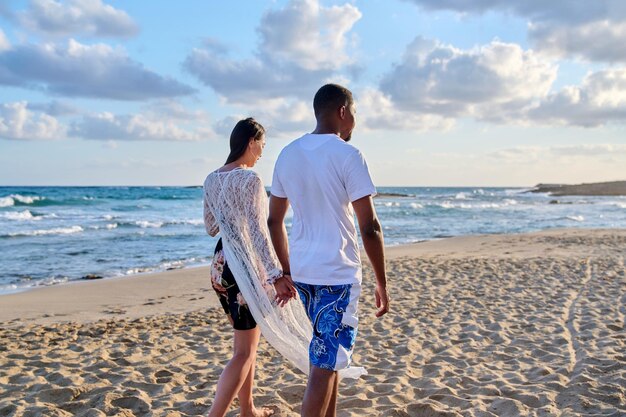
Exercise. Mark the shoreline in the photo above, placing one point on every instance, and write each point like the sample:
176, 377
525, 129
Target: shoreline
388, 249
143, 294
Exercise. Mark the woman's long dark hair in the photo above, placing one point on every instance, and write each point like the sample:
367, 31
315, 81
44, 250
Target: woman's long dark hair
244, 131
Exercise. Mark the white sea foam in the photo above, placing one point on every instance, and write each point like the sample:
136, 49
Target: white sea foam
144, 224
476, 206
193, 222
19, 215
416, 205
576, 218
25, 199
108, 226
460, 196
6, 201
55, 231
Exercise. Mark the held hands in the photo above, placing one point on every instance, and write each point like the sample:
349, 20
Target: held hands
382, 301
285, 290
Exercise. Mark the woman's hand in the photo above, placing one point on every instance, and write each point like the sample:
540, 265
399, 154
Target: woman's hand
285, 290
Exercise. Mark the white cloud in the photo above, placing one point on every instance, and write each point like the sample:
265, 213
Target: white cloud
486, 82
54, 108
77, 17
556, 10
601, 98
281, 118
375, 111
151, 125
301, 46
592, 30
602, 40
309, 35
252, 79
4, 42
19, 123
82, 70
561, 153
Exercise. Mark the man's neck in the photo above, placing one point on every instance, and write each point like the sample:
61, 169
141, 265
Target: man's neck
326, 129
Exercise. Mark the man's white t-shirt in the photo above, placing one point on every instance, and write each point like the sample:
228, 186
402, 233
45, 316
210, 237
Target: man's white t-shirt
321, 175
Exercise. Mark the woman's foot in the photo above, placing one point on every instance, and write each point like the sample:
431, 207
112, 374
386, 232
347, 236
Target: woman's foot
258, 412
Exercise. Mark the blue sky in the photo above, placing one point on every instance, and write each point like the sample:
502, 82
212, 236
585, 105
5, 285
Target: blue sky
455, 92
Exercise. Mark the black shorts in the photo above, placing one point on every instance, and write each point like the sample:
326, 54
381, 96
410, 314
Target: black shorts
229, 295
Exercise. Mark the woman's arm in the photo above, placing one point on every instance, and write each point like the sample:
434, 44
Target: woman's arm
257, 225
210, 224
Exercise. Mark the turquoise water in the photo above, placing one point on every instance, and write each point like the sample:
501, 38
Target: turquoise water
51, 235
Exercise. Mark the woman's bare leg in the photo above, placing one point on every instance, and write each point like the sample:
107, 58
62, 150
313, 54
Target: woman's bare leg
236, 373
246, 402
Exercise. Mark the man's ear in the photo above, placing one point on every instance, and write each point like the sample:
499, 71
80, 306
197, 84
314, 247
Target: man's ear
342, 112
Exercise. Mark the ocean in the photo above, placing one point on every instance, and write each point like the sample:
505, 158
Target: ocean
52, 235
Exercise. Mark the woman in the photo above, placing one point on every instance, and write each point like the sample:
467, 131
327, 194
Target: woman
244, 270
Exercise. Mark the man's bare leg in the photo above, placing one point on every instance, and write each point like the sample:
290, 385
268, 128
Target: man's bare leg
332, 405
320, 390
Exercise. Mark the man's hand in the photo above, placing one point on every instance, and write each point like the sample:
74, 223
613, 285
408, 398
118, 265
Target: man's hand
382, 301
285, 290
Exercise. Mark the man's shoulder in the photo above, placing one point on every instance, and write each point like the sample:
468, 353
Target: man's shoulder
288, 150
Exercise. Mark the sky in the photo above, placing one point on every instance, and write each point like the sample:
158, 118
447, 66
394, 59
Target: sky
448, 92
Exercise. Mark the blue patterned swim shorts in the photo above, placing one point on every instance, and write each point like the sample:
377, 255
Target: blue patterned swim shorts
332, 310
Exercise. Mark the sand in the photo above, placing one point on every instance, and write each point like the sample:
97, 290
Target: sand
508, 325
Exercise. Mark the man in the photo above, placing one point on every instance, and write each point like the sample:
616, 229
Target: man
326, 181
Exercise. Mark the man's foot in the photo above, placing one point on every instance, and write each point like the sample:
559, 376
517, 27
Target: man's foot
256, 412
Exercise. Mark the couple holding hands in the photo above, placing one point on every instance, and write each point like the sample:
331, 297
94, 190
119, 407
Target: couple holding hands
301, 293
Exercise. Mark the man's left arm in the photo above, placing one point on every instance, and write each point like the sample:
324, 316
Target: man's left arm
373, 242
278, 233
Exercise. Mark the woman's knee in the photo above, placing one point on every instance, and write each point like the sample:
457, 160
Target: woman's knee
244, 356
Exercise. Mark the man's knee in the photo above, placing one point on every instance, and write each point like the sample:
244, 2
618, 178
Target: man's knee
321, 374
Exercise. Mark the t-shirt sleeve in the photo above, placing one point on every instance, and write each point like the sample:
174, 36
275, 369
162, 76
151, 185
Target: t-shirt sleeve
277, 187
358, 181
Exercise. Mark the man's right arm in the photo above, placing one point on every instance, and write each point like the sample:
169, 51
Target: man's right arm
372, 235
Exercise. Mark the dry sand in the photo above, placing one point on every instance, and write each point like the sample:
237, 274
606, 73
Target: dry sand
508, 325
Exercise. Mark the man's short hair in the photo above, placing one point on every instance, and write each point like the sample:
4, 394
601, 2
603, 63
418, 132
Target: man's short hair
330, 97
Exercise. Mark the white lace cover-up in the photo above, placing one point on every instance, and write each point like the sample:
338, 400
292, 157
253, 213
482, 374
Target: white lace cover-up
236, 206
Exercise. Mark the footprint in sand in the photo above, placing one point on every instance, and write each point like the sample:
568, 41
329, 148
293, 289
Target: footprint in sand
114, 311
137, 405
163, 376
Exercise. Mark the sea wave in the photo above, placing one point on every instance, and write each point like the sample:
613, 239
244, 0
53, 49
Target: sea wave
19, 200
109, 226
156, 224
19, 215
44, 232
145, 224
575, 218
475, 206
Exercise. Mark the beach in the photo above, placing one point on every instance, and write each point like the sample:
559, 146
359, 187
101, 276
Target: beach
491, 325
